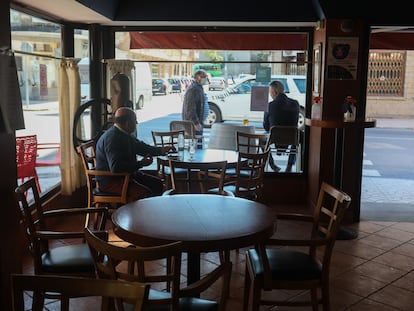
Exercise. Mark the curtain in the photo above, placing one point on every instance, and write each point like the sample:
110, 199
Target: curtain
69, 101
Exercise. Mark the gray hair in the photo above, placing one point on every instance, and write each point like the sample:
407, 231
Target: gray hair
277, 86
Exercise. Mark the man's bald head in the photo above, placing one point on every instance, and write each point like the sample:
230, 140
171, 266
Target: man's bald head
126, 118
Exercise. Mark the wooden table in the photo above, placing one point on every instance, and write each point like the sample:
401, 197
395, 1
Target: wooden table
206, 155
205, 223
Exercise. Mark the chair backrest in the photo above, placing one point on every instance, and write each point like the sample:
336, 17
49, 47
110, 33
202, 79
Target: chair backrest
250, 174
32, 218
95, 196
87, 153
166, 138
281, 135
250, 142
187, 126
133, 264
26, 153
197, 177
77, 287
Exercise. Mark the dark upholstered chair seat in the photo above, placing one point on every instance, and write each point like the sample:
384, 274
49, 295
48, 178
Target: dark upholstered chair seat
68, 259
286, 265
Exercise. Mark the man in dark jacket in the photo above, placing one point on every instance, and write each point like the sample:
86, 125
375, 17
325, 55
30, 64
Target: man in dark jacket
282, 110
117, 150
194, 101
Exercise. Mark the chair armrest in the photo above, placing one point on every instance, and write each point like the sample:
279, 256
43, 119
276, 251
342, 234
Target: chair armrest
52, 235
101, 212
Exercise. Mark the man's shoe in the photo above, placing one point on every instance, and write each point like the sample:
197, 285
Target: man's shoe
274, 167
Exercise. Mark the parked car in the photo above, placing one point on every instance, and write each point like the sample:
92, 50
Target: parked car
176, 85
162, 86
233, 103
217, 83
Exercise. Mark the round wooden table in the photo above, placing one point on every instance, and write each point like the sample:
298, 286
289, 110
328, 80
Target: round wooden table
205, 223
206, 155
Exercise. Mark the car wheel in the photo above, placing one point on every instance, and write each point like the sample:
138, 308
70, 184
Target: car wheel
214, 116
140, 103
301, 120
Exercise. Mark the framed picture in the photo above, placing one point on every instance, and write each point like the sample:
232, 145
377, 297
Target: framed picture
317, 68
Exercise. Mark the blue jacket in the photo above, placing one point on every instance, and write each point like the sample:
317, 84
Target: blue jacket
281, 111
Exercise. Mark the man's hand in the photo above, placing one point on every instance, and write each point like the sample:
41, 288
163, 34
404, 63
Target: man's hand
166, 149
198, 127
147, 160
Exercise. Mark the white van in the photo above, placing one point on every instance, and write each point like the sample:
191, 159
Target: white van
233, 103
143, 85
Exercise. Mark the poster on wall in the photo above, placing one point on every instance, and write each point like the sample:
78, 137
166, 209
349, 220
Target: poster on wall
342, 58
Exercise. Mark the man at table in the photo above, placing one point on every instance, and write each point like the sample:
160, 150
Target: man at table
282, 110
117, 150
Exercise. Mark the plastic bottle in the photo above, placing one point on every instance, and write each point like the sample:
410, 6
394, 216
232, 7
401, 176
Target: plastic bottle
316, 111
180, 146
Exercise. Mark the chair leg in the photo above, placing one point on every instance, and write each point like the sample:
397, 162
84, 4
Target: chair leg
38, 301
246, 293
314, 297
256, 295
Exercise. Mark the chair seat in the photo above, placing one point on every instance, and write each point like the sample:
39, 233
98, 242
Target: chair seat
286, 265
68, 259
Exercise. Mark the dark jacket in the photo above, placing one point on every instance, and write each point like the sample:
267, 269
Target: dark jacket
281, 111
193, 104
116, 151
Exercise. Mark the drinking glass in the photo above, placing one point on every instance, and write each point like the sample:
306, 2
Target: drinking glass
192, 148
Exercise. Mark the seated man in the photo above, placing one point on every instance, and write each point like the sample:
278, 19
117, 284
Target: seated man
117, 150
282, 110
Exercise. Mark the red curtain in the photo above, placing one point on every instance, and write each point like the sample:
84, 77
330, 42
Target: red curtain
219, 40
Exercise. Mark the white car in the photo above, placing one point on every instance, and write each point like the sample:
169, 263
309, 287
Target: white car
233, 103
217, 84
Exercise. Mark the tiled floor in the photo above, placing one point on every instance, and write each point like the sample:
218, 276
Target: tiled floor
372, 272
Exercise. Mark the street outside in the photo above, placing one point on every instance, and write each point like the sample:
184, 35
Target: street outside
388, 156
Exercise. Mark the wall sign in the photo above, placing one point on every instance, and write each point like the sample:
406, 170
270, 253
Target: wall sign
342, 58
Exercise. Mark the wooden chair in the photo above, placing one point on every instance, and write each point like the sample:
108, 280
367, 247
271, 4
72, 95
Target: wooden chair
307, 268
78, 287
96, 197
188, 127
246, 143
26, 153
43, 237
197, 177
164, 139
137, 265
250, 142
249, 178
284, 140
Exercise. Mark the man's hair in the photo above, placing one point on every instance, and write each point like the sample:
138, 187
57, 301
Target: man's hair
277, 86
200, 72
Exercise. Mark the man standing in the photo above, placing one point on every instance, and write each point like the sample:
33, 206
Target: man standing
282, 110
117, 150
194, 101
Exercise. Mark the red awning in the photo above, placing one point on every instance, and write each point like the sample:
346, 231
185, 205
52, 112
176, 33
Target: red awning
392, 41
219, 40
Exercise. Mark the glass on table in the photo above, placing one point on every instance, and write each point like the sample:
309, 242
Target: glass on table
192, 143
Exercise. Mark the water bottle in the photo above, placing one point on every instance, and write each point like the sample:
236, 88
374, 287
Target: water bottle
181, 145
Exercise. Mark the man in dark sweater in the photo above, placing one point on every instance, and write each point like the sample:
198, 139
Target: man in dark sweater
117, 150
282, 110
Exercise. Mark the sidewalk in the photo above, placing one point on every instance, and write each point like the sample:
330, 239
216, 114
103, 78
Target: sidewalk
395, 123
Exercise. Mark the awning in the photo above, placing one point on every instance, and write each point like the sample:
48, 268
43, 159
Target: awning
219, 40
392, 41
